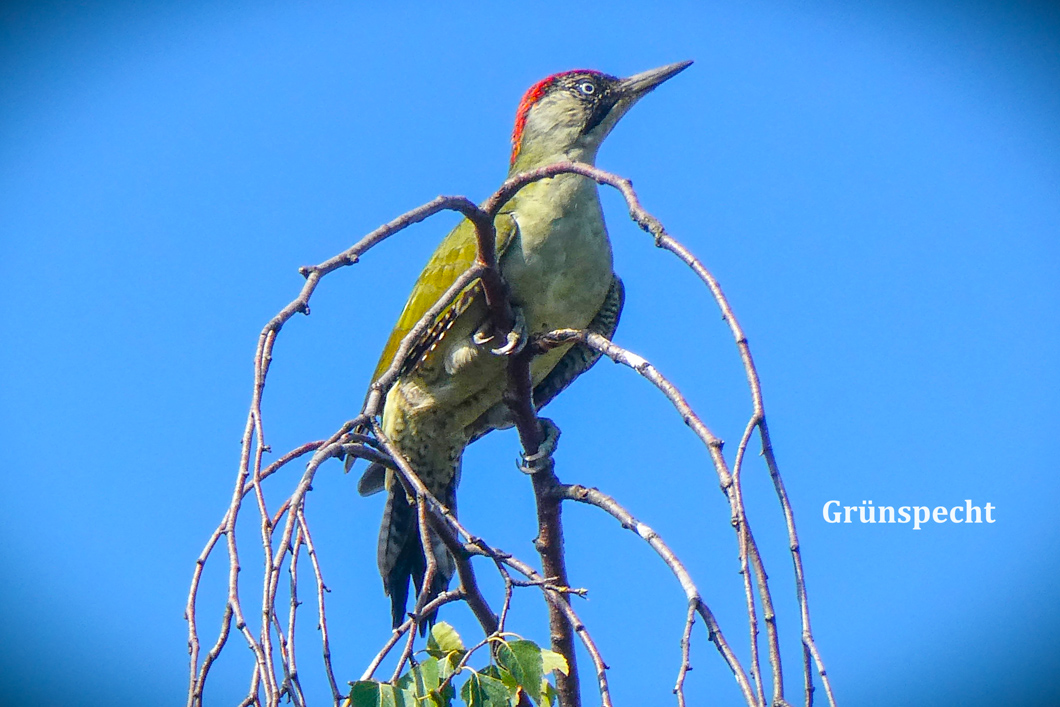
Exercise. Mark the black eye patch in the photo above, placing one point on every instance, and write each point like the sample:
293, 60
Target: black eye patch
602, 103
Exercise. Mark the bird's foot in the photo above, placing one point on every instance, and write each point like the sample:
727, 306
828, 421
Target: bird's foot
542, 459
514, 340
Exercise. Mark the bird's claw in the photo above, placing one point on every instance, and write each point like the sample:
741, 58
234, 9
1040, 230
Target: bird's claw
542, 459
516, 339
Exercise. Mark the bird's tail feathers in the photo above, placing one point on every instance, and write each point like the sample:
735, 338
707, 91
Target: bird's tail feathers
373, 480
401, 558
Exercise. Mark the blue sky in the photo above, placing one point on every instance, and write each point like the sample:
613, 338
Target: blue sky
878, 190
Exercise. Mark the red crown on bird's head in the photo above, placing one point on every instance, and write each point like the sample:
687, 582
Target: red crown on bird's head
532, 96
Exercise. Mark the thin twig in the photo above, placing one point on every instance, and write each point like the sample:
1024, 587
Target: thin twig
557, 599
509, 587
425, 588
272, 687
595, 497
721, 468
739, 522
686, 653
322, 621
252, 697
433, 605
665, 241
295, 686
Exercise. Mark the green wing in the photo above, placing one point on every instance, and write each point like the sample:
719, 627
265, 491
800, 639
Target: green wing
454, 255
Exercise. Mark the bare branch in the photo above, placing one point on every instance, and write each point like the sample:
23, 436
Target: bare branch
721, 468
558, 599
255, 685
433, 605
294, 687
425, 588
686, 653
468, 583
665, 241
321, 614
601, 500
549, 542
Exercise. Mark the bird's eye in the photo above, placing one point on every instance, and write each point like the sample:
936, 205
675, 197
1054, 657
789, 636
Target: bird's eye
587, 88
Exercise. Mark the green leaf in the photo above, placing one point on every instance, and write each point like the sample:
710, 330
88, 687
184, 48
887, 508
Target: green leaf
389, 696
369, 693
551, 660
421, 679
510, 684
548, 693
429, 673
364, 693
444, 639
472, 693
523, 660
496, 692
444, 697
484, 691
447, 664
407, 697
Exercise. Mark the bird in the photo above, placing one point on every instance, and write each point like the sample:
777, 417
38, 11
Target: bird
554, 254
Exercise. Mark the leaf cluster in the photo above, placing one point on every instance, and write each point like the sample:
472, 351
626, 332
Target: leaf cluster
516, 672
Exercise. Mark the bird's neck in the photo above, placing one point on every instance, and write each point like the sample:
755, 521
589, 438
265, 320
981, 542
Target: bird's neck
533, 154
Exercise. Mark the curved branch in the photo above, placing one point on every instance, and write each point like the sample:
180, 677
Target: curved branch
322, 624
433, 605
721, 468
254, 432
594, 497
666, 242
558, 599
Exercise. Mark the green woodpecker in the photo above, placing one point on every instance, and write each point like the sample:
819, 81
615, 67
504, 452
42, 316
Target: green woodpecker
554, 254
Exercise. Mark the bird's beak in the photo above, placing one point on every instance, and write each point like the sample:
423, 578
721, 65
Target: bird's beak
637, 85
624, 94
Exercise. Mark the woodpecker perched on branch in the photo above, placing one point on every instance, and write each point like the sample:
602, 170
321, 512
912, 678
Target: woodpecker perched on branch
555, 256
